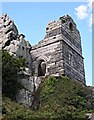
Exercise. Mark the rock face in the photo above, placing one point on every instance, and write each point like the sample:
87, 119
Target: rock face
13, 42
17, 46
59, 53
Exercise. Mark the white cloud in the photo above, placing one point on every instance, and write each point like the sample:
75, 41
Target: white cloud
86, 12
81, 12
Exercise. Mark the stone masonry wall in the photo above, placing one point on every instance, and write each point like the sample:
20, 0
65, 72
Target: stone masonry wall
50, 51
73, 63
61, 50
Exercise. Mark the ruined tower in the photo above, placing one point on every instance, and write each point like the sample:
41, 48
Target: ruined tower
60, 52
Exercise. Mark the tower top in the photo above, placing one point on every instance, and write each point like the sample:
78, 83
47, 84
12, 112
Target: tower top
66, 19
65, 23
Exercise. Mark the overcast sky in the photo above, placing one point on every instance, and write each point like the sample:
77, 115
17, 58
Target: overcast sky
32, 18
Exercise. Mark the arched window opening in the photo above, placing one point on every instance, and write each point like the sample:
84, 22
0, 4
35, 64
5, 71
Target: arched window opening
71, 26
41, 68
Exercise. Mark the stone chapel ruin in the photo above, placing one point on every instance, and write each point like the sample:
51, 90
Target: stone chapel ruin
59, 53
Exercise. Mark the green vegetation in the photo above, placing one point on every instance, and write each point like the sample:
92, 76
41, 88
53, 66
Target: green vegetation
64, 98
61, 99
58, 98
10, 69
